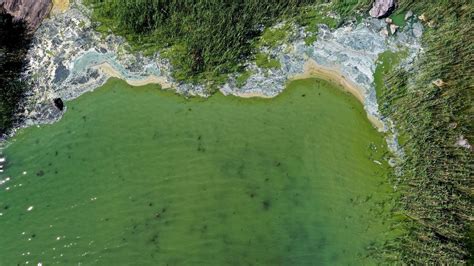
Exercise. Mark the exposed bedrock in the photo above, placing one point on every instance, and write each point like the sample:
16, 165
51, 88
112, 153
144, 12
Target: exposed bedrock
382, 8
31, 11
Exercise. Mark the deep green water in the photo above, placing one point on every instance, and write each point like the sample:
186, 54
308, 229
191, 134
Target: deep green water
139, 176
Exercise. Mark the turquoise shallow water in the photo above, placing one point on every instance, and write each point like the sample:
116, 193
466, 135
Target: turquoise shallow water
140, 176
93, 58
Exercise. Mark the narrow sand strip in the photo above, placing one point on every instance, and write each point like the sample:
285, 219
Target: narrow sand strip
151, 79
252, 95
311, 70
314, 70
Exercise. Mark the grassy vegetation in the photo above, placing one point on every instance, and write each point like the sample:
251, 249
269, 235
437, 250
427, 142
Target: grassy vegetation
14, 42
386, 62
272, 37
311, 16
348, 8
265, 61
205, 40
310, 39
242, 78
436, 184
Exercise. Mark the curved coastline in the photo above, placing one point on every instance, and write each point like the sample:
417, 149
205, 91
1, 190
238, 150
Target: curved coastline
151, 79
85, 60
311, 70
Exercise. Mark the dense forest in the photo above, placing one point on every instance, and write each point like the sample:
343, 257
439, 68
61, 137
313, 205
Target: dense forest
14, 42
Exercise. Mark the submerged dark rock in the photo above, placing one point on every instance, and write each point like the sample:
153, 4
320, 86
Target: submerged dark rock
382, 8
61, 73
59, 103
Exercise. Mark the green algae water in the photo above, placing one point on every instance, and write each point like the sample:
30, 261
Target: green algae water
141, 176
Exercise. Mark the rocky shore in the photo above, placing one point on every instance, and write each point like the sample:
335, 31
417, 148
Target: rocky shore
68, 58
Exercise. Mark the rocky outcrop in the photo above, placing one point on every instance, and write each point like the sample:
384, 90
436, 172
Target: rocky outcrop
382, 8
31, 11
59, 103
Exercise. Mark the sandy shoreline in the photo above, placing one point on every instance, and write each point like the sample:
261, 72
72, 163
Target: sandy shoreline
311, 70
348, 54
151, 79
252, 95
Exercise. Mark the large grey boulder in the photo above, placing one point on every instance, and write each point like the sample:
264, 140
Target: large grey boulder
382, 8
30, 11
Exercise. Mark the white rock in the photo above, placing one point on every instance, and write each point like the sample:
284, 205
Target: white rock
417, 30
30, 208
393, 28
462, 142
422, 17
